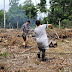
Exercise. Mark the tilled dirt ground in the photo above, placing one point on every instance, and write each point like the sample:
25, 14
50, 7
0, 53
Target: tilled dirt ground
22, 59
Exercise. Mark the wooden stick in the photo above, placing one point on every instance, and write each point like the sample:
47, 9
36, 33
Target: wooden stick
28, 49
56, 34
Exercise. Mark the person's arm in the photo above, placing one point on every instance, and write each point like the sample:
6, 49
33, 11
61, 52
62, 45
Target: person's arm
22, 28
28, 28
49, 25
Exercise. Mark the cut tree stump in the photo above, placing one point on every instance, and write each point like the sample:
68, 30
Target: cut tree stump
52, 44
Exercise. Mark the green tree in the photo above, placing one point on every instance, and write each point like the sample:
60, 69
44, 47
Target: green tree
11, 2
66, 23
15, 14
60, 9
1, 18
29, 9
42, 5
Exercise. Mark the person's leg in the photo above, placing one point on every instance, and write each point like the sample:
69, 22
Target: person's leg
43, 54
24, 38
26, 42
38, 54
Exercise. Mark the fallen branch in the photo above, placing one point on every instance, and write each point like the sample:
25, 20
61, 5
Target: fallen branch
56, 34
28, 49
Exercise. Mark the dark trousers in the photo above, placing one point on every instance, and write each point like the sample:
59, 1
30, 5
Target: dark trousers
43, 51
24, 36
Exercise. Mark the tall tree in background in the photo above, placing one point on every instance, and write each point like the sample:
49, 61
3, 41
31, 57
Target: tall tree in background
42, 5
30, 12
1, 18
30, 9
15, 14
60, 10
21, 13
11, 2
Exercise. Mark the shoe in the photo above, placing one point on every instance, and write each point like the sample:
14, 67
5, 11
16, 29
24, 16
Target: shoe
43, 57
44, 60
26, 46
38, 56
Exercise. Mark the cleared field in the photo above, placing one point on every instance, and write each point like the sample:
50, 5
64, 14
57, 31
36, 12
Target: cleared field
15, 58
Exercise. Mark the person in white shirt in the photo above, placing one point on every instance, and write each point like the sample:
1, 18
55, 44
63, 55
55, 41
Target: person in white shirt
41, 38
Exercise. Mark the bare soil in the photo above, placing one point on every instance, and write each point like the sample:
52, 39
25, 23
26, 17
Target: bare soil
20, 59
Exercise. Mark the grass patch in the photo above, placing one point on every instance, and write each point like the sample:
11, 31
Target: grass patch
5, 54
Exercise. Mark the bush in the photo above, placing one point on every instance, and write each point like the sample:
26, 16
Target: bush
70, 17
66, 23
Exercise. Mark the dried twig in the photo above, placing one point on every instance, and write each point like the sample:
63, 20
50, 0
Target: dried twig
56, 34
28, 49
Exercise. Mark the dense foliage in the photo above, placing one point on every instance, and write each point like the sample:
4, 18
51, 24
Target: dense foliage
29, 9
18, 13
60, 10
1, 17
42, 5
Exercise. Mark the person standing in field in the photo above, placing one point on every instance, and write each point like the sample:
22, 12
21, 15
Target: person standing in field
41, 38
24, 29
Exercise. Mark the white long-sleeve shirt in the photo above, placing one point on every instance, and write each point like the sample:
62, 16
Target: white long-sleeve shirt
41, 36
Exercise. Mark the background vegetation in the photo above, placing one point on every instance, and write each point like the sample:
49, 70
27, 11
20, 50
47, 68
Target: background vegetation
59, 10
